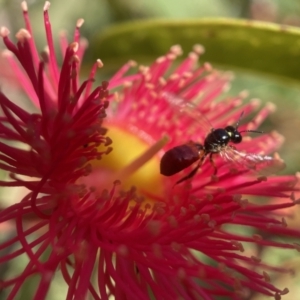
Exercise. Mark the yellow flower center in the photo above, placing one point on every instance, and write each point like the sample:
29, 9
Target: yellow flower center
132, 161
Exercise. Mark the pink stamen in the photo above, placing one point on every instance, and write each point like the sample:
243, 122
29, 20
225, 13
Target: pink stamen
53, 68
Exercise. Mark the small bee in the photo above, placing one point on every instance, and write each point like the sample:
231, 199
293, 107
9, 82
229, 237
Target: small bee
216, 142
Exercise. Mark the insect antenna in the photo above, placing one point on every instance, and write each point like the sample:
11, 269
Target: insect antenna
238, 124
255, 131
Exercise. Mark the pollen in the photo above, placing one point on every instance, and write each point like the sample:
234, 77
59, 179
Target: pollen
23, 34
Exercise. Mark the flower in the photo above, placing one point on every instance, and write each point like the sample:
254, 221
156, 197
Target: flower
82, 218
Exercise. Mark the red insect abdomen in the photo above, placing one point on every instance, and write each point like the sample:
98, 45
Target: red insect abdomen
179, 158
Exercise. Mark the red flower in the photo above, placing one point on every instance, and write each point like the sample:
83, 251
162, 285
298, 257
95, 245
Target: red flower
154, 240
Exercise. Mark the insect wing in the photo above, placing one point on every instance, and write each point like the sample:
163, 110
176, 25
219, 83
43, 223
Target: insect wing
263, 164
189, 116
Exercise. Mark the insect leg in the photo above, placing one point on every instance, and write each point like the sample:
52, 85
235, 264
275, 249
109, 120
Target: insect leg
193, 172
213, 163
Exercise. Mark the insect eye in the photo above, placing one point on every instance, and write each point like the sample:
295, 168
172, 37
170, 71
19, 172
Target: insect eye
236, 137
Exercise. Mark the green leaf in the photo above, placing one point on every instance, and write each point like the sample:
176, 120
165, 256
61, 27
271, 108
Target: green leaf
249, 45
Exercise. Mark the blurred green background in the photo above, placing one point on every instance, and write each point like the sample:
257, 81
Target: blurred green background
101, 14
